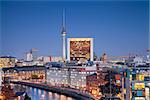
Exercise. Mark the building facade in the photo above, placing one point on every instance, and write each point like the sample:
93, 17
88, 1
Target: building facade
74, 77
1, 74
25, 73
93, 84
29, 56
140, 83
80, 49
7, 61
57, 76
78, 77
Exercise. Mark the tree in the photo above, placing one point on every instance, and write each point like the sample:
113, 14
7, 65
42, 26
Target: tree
27, 97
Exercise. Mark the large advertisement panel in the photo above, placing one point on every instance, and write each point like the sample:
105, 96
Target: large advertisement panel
80, 49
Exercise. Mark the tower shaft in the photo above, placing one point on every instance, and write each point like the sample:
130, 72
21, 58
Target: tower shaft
64, 46
63, 35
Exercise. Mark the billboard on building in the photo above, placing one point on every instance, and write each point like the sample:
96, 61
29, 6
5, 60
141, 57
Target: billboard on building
80, 49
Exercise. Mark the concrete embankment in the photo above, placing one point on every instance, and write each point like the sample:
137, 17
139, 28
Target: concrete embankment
59, 90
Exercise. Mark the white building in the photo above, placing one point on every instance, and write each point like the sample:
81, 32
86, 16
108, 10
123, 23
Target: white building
135, 61
46, 59
73, 76
57, 76
78, 77
29, 56
56, 59
1, 74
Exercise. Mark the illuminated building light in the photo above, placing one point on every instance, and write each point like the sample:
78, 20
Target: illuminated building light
124, 90
80, 49
95, 92
139, 86
139, 98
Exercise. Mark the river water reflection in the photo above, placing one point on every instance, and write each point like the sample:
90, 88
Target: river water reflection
38, 94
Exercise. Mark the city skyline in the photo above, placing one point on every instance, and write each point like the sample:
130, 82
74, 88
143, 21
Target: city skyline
118, 28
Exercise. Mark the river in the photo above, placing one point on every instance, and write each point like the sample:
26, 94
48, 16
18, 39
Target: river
38, 94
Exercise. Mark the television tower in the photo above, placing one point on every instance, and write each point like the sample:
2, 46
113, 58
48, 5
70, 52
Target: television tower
64, 34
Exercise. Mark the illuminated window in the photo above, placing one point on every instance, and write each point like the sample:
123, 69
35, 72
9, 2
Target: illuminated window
139, 86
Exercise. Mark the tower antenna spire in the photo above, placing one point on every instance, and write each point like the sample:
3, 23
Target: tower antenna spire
64, 21
64, 18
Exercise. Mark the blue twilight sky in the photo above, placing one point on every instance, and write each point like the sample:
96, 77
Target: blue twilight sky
118, 27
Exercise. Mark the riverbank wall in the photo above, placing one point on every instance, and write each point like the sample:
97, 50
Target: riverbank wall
68, 92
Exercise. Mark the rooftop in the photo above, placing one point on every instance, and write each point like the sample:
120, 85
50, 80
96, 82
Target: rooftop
25, 68
7, 57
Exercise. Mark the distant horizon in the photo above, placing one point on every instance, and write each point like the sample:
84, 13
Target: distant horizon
118, 28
